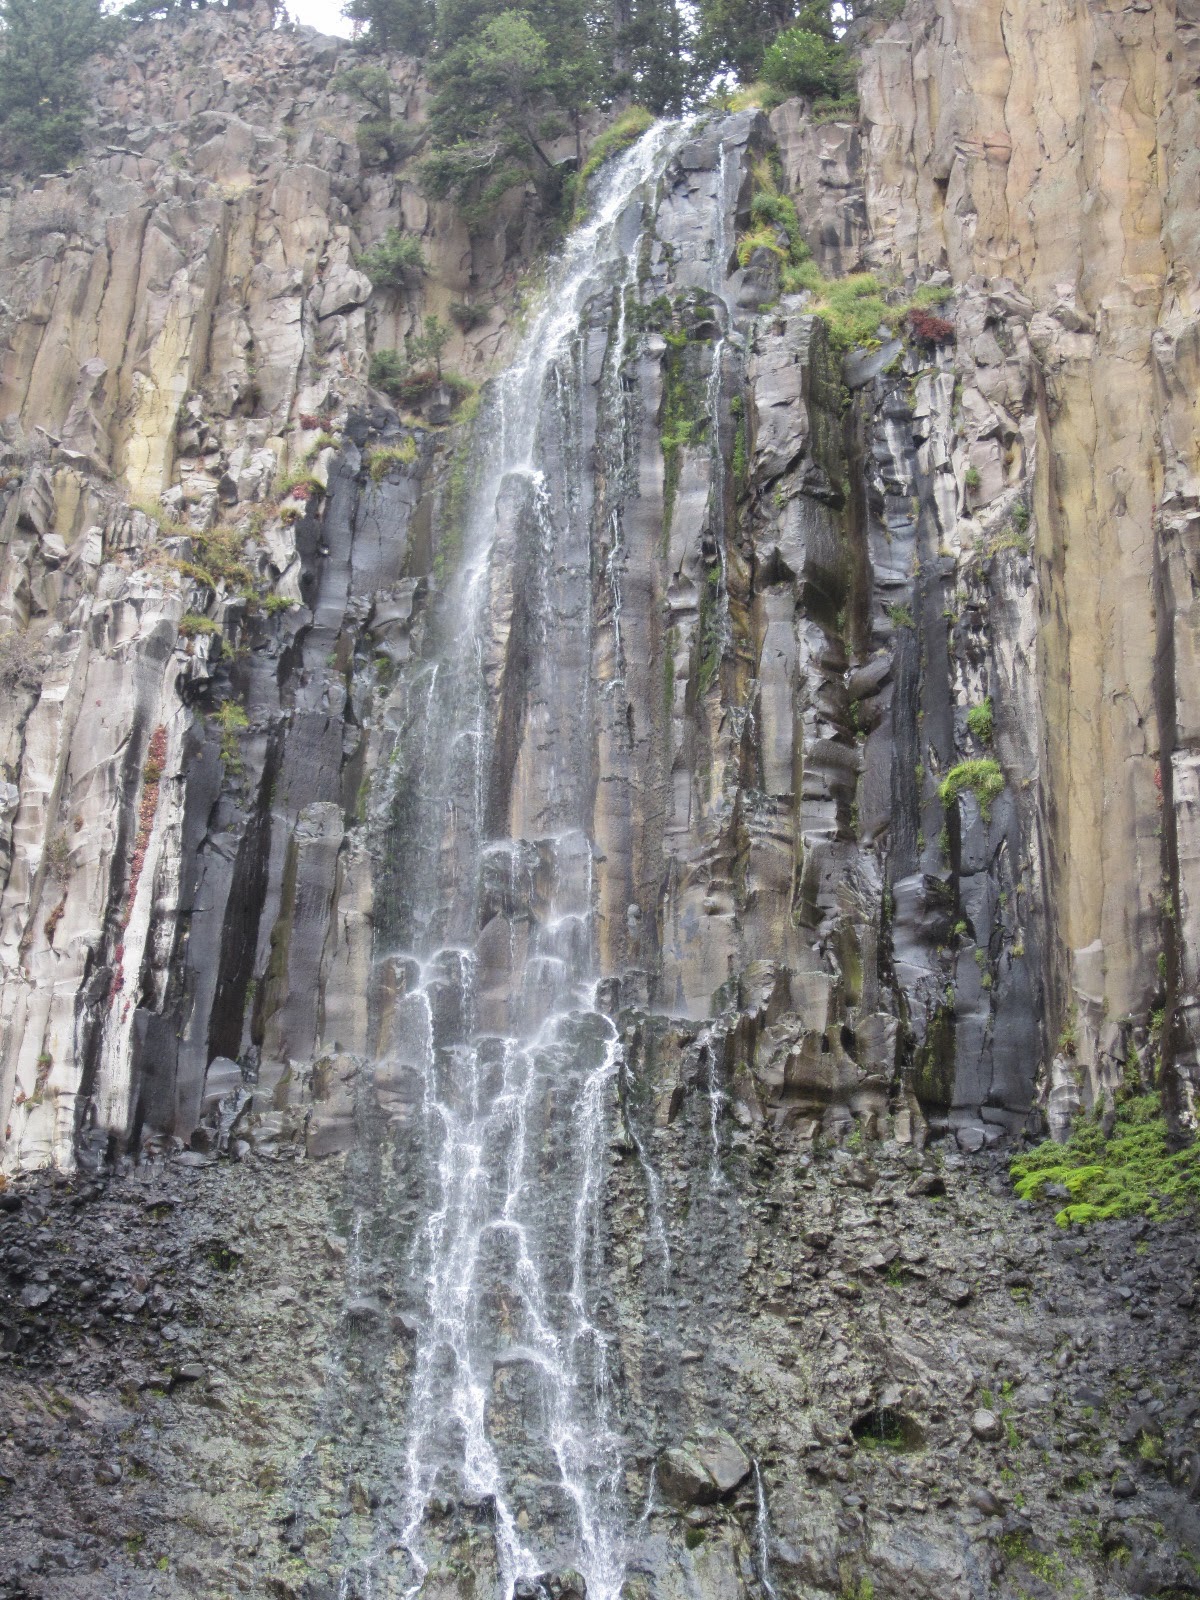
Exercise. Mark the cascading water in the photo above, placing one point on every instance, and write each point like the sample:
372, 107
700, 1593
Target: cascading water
513, 1067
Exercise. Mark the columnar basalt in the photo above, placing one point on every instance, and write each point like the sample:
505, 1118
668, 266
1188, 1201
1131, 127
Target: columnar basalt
595, 879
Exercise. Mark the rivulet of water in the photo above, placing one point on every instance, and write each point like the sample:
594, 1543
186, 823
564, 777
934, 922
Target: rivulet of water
488, 916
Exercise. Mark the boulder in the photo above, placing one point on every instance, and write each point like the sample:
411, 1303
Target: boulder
702, 1469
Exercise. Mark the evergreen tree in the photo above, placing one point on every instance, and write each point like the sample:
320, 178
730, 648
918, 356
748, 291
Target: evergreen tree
515, 81
405, 25
734, 35
657, 58
803, 62
43, 44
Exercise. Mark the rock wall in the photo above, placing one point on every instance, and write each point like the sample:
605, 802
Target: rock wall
183, 333
193, 346
1012, 148
743, 604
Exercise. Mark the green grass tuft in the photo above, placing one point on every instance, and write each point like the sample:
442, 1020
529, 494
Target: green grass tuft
626, 130
381, 461
982, 777
979, 720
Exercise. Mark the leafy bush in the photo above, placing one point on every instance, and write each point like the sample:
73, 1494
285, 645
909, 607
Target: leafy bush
982, 777
394, 261
465, 315
771, 209
1131, 1172
802, 62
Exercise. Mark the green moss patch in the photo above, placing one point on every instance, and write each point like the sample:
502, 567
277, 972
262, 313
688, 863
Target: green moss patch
1132, 1172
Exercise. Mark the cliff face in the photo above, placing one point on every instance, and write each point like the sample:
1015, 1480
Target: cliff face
183, 325
1056, 156
1025, 502
594, 822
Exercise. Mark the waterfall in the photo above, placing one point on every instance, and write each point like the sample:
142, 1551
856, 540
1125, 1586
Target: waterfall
490, 943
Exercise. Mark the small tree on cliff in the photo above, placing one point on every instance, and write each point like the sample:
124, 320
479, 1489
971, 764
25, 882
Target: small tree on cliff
43, 44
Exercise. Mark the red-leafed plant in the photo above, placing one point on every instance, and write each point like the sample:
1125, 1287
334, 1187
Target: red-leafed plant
928, 329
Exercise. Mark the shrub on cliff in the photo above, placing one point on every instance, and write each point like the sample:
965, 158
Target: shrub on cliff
928, 329
43, 44
803, 61
396, 259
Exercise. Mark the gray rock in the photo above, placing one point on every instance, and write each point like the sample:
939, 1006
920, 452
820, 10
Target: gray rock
986, 1425
972, 1137
985, 1501
927, 1185
863, 366
861, 1176
703, 1469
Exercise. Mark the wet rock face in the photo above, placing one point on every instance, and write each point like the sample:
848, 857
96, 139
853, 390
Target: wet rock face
190, 575
730, 556
786, 585
702, 1470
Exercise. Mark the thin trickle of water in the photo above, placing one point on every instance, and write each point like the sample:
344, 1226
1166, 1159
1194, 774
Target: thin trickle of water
654, 1200
717, 490
716, 1100
762, 1537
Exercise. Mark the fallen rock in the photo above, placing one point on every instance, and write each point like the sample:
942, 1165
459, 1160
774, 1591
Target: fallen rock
985, 1501
986, 1425
926, 1185
702, 1469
